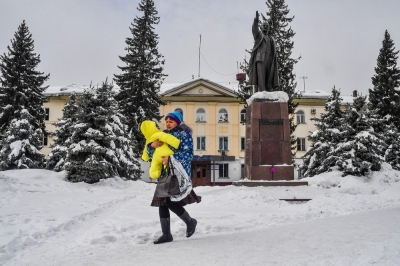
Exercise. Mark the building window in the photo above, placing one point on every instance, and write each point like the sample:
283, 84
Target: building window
223, 115
222, 143
46, 114
242, 143
301, 144
200, 115
45, 140
223, 170
243, 116
300, 117
201, 143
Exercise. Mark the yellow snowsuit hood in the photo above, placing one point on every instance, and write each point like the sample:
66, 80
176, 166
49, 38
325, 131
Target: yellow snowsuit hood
152, 133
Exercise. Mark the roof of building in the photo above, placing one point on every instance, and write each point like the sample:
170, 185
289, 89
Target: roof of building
319, 94
168, 88
64, 90
171, 87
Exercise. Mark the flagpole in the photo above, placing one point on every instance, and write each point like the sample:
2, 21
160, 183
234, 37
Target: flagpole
199, 56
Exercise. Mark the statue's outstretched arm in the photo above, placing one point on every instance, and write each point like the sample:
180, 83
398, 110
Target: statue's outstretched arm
255, 27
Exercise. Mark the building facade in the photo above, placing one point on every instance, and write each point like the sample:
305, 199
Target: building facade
57, 98
217, 118
215, 114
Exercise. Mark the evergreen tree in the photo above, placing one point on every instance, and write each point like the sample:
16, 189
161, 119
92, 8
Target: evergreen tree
283, 34
19, 144
325, 138
245, 90
141, 76
99, 147
385, 95
360, 149
63, 135
392, 153
22, 89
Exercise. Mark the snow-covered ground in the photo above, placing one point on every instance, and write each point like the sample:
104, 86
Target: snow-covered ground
349, 221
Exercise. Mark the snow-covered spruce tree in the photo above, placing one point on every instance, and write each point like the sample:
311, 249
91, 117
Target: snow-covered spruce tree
19, 144
360, 149
99, 147
142, 75
385, 95
392, 139
63, 133
22, 88
325, 138
283, 34
245, 91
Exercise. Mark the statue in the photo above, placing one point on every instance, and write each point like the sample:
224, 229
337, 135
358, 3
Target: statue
263, 64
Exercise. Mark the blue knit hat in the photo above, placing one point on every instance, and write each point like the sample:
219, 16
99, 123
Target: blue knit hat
176, 116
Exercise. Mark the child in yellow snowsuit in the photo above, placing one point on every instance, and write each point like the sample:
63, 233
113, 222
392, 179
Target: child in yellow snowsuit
152, 133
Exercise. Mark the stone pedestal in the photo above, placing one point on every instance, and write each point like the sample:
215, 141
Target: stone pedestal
268, 141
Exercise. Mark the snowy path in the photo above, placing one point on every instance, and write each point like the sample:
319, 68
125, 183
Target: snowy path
349, 221
357, 239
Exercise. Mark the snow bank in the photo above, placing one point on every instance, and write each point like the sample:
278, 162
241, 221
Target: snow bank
42, 214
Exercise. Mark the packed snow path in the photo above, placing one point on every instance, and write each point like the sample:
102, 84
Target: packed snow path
357, 239
47, 221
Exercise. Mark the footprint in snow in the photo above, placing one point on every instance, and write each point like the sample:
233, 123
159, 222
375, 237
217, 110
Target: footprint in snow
103, 240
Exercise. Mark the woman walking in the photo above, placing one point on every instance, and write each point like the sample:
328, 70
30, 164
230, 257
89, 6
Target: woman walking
183, 154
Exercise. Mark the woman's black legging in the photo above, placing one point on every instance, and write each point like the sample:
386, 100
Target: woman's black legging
170, 205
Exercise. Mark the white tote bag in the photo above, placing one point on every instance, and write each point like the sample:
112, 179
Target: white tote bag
185, 184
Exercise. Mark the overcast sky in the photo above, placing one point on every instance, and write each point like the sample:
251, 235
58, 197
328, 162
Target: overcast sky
79, 41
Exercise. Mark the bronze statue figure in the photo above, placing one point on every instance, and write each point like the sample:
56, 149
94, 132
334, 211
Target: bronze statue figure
263, 64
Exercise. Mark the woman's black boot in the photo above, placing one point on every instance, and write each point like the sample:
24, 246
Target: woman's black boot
190, 223
166, 230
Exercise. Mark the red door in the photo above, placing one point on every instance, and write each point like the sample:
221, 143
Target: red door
201, 173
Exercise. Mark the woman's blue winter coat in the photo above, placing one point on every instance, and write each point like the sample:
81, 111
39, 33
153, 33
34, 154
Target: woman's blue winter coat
184, 153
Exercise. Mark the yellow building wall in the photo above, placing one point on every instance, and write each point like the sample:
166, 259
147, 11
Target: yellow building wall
211, 128
55, 105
